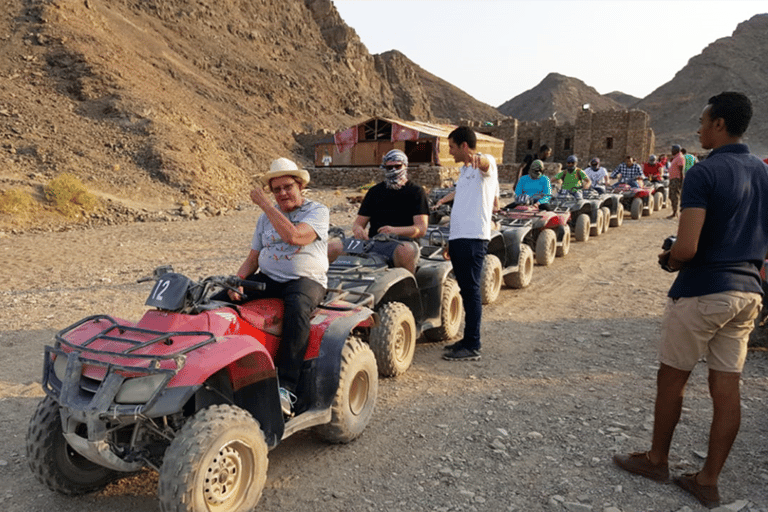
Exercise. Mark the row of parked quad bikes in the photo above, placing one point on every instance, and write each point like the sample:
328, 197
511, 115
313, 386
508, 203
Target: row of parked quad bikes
191, 390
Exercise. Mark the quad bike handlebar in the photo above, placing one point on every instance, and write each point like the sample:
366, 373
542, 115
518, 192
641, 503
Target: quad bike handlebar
175, 292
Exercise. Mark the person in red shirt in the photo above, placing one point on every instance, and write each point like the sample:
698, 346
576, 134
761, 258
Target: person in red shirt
652, 169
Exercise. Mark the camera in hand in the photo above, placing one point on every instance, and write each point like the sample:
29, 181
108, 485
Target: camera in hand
667, 245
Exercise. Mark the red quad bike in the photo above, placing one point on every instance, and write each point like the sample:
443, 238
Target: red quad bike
660, 191
191, 390
546, 232
638, 200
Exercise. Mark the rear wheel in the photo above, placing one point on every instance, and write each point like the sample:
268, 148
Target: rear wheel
216, 463
619, 219
524, 274
54, 462
565, 243
393, 340
450, 313
490, 279
546, 247
606, 217
636, 210
658, 200
582, 228
596, 229
355, 398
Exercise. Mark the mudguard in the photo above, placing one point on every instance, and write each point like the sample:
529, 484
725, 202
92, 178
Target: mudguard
328, 362
513, 239
430, 277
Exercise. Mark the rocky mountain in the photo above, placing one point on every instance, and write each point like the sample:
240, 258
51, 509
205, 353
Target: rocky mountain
170, 100
738, 63
557, 96
446, 101
627, 100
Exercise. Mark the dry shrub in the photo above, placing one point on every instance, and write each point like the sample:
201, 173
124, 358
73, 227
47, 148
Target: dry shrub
69, 196
16, 202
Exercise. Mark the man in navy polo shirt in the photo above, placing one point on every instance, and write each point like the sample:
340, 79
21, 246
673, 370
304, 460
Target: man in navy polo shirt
722, 240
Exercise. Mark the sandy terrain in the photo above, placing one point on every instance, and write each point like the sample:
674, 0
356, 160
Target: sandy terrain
566, 380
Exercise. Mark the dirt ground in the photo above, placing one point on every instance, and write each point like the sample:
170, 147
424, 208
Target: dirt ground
565, 381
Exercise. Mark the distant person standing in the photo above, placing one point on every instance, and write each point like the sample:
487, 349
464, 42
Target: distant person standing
722, 239
676, 169
470, 232
690, 160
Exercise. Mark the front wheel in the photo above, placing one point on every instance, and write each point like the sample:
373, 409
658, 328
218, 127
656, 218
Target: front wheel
216, 463
619, 219
597, 228
490, 279
606, 217
393, 340
647, 211
565, 243
636, 209
54, 463
658, 201
524, 274
546, 247
582, 228
355, 398
450, 313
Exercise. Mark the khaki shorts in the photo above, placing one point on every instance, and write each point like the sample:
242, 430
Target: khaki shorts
716, 326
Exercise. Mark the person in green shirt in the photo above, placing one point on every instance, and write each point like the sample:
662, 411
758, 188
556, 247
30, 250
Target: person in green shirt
572, 179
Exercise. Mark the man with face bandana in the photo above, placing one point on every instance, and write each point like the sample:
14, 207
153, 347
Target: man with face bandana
397, 207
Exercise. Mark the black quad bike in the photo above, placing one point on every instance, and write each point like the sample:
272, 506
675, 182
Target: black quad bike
508, 260
588, 218
191, 390
407, 305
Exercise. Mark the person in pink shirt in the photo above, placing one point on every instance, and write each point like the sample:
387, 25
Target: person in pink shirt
676, 167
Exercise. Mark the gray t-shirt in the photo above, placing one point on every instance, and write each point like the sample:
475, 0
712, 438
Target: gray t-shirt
282, 261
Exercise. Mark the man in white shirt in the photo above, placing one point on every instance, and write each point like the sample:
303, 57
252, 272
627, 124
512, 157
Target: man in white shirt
470, 231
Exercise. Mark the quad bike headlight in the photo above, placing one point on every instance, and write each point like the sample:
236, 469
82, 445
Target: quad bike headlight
139, 389
60, 367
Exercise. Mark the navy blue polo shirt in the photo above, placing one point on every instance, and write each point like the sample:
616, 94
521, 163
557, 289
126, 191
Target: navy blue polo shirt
732, 186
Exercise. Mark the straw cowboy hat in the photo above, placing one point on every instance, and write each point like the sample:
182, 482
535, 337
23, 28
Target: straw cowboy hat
285, 167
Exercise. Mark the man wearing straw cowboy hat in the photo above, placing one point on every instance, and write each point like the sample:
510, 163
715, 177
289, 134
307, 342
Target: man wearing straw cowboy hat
289, 254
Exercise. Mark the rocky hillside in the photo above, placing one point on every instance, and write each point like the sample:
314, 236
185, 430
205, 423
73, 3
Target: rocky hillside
559, 96
738, 62
168, 100
626, 100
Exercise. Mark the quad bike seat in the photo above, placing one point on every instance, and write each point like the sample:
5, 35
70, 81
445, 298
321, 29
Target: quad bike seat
264, 314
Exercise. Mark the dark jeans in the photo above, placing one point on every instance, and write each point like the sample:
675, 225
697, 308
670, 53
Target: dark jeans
467, 256
300, 297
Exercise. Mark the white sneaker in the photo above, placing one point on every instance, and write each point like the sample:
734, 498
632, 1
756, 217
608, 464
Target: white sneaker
287, 399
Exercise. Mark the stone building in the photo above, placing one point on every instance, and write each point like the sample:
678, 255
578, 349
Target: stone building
609, 135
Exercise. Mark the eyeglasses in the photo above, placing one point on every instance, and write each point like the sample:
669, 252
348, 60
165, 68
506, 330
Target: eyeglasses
284, 188
393, 167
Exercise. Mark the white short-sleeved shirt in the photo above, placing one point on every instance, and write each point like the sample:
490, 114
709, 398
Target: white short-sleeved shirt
473, 203
282, 261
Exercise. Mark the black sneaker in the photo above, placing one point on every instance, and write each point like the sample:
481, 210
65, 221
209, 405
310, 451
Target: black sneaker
462, 354
454, 346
